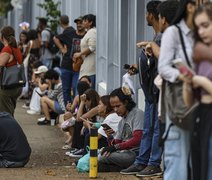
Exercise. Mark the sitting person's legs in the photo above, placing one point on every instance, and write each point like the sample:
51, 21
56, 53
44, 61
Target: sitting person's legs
119, 160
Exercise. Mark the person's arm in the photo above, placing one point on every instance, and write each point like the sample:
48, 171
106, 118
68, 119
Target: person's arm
202, 52
63, 49
167, 54
154, 48
203, 82
43, 86
5, 58
91, 42
188, 95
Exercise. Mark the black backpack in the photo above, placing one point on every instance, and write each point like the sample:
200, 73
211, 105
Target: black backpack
147, 74
51, 45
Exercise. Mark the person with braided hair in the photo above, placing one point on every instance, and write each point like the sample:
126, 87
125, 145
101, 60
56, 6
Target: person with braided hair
9, 56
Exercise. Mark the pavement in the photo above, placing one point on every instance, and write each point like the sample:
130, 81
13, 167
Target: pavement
48, 160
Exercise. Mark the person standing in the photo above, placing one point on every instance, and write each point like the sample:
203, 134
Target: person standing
9, 56
69, 42
46, 55
88, 49
147, 163
177, 144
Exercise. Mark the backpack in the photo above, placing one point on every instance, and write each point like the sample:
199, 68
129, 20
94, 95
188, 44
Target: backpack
147, 73
51, 45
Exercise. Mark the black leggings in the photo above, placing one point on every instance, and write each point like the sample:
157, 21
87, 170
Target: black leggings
200, 141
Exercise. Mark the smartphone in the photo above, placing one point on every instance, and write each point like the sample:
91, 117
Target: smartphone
106, 126
41, 95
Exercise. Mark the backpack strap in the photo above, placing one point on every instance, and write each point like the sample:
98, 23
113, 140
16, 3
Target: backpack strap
183, 46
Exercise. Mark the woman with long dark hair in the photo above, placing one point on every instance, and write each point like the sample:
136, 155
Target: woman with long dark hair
177, 144
9, 56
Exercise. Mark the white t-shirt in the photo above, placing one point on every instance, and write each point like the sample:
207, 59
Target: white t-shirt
111, 120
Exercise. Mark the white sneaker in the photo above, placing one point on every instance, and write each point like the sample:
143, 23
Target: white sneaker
25, 106
41, 119
32, 112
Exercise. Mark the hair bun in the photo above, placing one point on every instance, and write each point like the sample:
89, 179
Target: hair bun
126, 90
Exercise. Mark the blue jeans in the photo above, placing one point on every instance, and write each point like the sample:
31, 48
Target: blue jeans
69, 80
176, 153
150, 152
93, 81
47, 63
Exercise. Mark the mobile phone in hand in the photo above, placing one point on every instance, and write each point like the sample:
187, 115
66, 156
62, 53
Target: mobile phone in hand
106, 126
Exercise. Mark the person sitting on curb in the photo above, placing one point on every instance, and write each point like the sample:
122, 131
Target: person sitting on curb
54, 99
121, 152
14, 147
38, 91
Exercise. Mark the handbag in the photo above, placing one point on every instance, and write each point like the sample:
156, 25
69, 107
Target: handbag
77, 64
13, 76
180, 115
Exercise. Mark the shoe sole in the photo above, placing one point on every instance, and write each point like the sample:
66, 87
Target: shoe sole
156, 174
129, 173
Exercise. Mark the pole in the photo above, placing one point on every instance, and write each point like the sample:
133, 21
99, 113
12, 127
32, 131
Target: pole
93, 152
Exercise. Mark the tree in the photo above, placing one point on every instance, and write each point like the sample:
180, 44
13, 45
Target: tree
52, 13
5, 6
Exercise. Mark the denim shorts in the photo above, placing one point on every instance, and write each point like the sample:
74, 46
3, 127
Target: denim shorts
57, 107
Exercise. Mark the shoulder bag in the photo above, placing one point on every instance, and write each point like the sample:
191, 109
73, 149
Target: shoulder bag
180, 115
13, 76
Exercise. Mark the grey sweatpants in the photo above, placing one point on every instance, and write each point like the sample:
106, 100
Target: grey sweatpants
123, 158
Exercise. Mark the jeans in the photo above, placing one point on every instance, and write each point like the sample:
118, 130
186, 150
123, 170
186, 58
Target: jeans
150, 152
210, 159
176, 153
47, 63
93, 81
69, 80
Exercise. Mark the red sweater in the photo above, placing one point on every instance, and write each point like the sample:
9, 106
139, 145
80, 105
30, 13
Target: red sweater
130, 143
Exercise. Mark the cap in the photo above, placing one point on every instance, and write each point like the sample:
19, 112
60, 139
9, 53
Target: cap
41, 69
78, 19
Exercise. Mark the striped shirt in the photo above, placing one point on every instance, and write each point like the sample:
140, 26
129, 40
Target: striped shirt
57, 95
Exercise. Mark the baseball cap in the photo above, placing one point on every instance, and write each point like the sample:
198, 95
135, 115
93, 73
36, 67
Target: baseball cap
41, 69
78, 19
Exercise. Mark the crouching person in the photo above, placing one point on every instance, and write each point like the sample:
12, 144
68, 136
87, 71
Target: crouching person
124, 145
54, 99
14, 147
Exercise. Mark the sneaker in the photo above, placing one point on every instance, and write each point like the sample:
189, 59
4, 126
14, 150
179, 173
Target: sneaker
77, 154
133, 169
32, 112
25, 106
150, 171
41, 119
72, 150
45, 122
